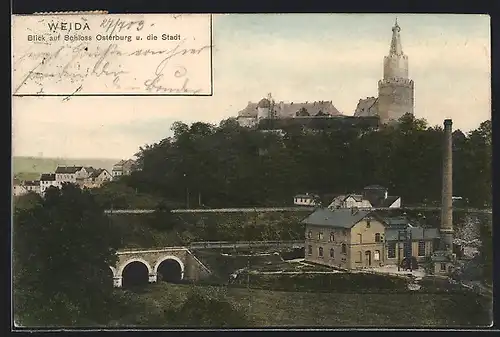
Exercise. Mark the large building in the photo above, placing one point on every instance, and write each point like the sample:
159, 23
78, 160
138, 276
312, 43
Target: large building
266, 108
353, 239
395, 89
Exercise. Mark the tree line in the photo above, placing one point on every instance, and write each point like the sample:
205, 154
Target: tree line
204, 165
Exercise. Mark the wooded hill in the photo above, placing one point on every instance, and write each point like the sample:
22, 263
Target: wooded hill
232, 166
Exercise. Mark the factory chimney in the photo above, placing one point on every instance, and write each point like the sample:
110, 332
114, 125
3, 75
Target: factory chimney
446, 230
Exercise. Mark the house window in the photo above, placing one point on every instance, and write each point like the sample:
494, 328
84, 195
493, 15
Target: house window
377, 237
360, 257
332, 237
344, 232
391, 250
309, 250
368, 224
320, 236
320, 251
421, 248
332, 253
443, 266
360, 236
309, 234
376, 255
344, 248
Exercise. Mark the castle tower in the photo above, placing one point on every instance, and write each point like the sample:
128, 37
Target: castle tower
395, 90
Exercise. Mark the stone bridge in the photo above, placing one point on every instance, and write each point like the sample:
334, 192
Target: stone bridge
170, 264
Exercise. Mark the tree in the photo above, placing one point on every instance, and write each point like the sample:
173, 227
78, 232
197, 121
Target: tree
63, 249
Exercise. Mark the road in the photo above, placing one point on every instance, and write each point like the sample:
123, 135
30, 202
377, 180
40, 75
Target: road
285, 209
224, 244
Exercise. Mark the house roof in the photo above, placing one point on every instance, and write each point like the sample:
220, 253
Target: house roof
417, 233
384, 202
47, 177
97, 172
357, 197
68, 169
395, 221
310, 195
288, 110
31, 183
342, 217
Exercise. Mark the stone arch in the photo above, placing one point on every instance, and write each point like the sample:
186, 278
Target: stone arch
169, 257
113, 270
129, 261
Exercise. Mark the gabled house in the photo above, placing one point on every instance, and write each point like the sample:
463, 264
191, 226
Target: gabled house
71, 174
123, 168
48, 180
360, 238
32, 185
373, 196
18, 189
349, 201
97, 177
306, 200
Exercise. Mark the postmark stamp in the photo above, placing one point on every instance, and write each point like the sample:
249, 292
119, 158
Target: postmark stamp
112, 54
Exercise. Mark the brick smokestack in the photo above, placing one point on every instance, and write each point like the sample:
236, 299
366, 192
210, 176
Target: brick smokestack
446, 229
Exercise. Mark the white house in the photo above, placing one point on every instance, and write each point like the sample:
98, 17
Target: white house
47, 180
349, 201
97, 177
70, 174
123, 168
373, 196
32, 186
306, 199
18, 189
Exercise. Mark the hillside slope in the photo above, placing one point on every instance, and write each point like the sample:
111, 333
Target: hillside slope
32, 167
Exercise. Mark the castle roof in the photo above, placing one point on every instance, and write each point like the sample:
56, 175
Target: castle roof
396, 48
289, 110
264, 103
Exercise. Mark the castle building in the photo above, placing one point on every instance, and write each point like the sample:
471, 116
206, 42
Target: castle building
266, 108
395, 89
395, 97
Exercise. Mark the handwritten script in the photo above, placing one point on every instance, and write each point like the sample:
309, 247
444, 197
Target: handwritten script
106, 54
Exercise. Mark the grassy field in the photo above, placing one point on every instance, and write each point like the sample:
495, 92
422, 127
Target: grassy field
308, 309
28, 168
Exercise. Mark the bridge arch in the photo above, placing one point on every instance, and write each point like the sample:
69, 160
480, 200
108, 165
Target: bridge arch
172, 258
129, 261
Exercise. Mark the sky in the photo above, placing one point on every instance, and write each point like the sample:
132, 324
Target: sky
296, 58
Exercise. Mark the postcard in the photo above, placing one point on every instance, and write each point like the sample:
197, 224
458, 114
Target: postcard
248, 171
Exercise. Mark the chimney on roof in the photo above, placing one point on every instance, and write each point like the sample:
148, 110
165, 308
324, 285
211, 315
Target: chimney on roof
446, 229
385, 195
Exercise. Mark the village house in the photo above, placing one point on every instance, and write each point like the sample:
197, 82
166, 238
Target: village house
359, 238
97, 177
306, 200
123, 168
18, 189
47, 180
32, 186
71, 174
373, 196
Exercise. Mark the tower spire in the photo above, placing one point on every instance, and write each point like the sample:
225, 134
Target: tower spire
396, 48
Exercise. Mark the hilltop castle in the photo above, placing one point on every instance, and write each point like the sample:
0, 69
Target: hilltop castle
395, 97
